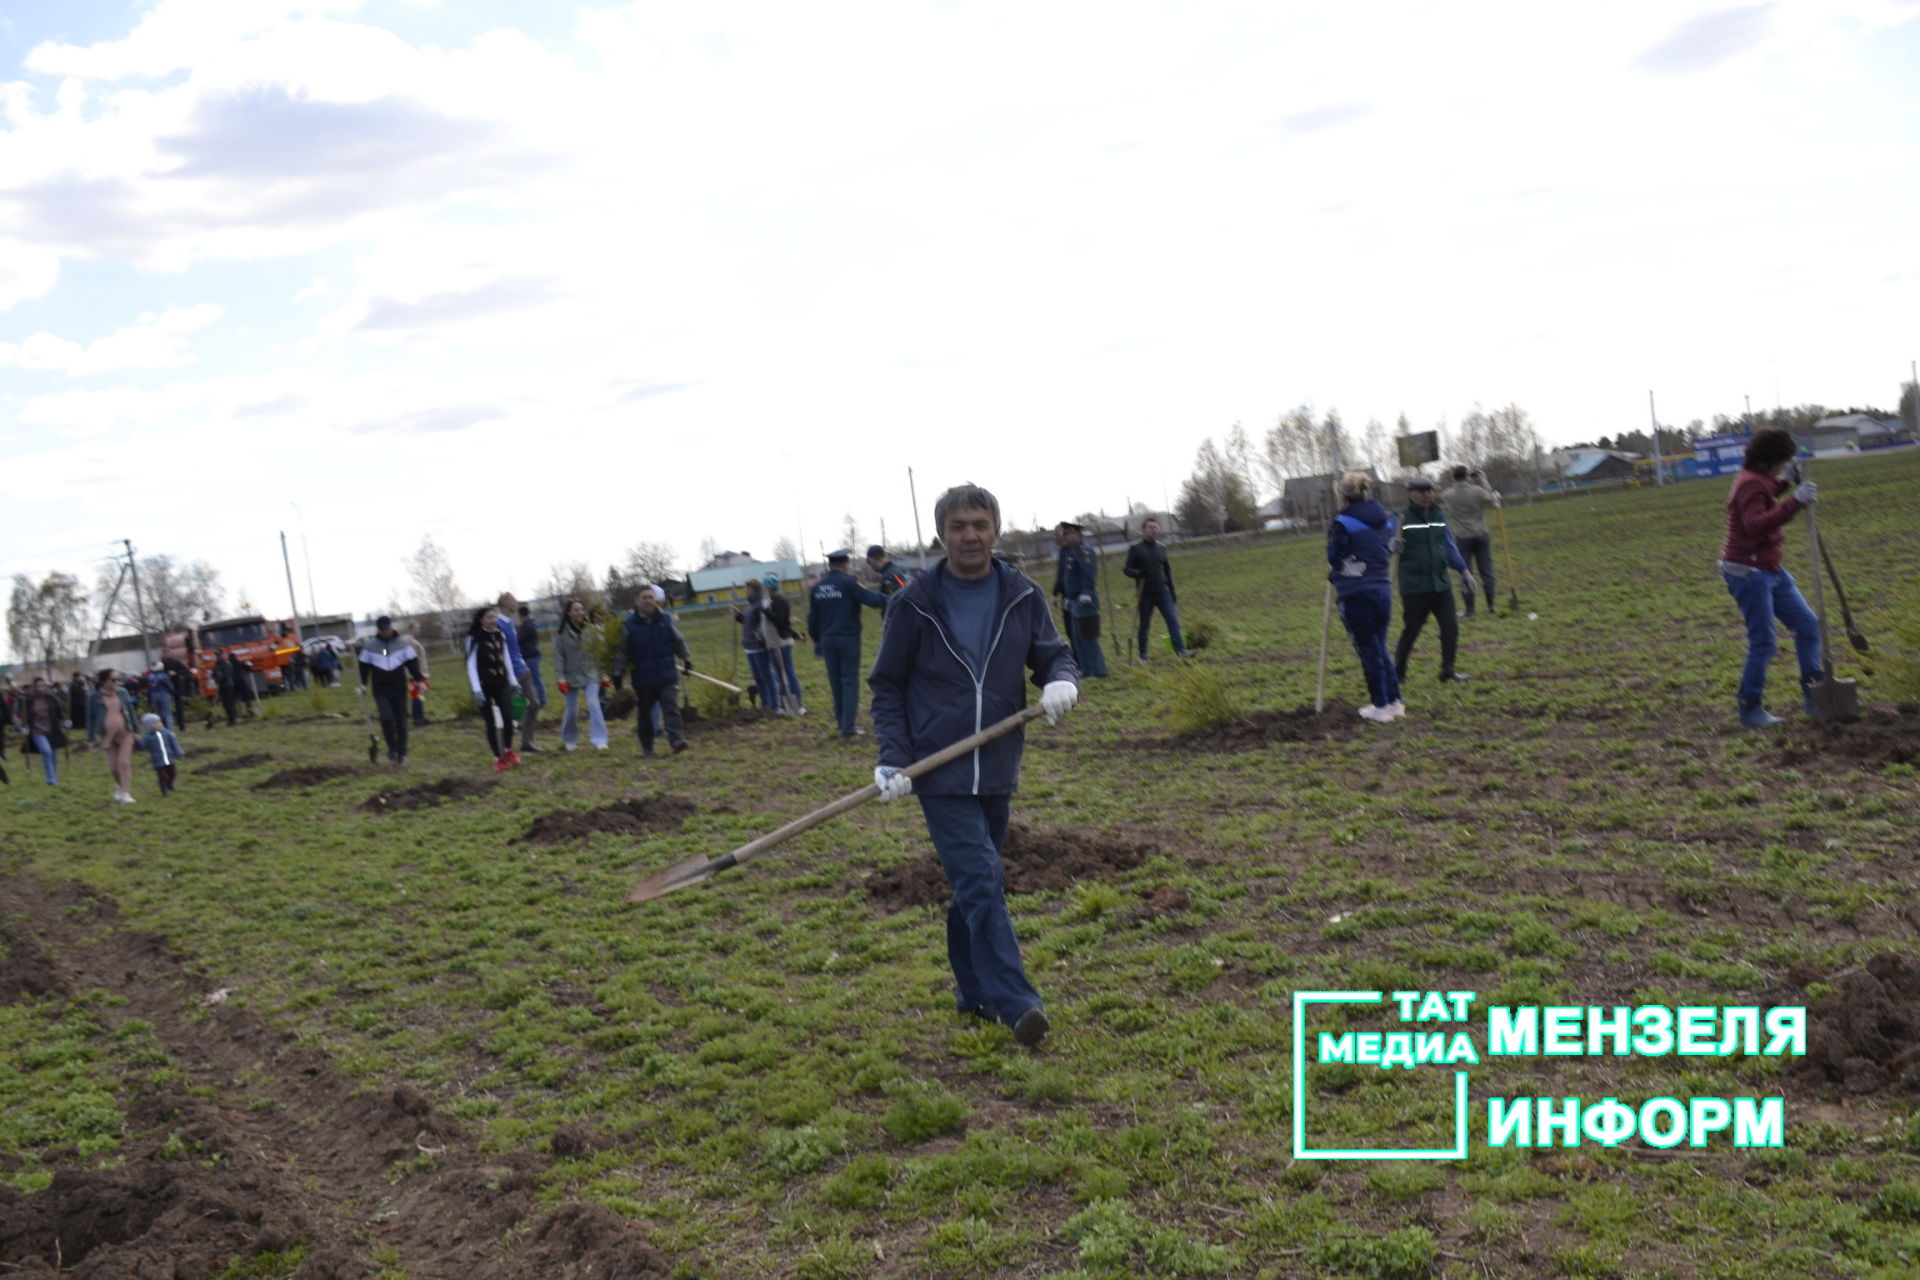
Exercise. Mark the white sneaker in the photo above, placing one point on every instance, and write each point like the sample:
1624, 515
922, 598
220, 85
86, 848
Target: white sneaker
123, 797
1398, 707
1379, 715
569, 746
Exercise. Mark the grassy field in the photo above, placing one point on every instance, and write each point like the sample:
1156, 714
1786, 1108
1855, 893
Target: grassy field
763, 1077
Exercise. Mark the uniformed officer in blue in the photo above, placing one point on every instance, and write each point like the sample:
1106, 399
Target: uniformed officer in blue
1078, 586
833, 620
954, 657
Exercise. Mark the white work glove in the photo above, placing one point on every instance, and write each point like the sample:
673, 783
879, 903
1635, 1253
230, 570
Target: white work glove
1805, 493
1086, 597
1498, 501
1396, 545
1352, 567
894, 784
1057, 698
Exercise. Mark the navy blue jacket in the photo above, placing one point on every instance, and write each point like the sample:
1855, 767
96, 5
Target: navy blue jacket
925, 697
158, 682
648, 647
1363, 530
833, 607
1080, 576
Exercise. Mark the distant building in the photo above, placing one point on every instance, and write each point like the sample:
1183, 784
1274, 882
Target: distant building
1845, 431
1587, 465
719, 585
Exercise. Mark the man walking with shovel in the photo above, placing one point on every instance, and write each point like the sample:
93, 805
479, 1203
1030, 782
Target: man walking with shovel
954, 656
1756, 579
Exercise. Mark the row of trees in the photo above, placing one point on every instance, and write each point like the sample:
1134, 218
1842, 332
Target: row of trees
54, 617
1797, 418
1223, 493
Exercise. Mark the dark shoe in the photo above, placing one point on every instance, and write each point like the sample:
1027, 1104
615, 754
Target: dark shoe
1458, 677
678, 747
1031, 1028
529, 747
1756, 717
975, 1011
646, 753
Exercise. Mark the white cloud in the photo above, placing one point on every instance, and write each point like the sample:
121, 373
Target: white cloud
317, 288
152, 342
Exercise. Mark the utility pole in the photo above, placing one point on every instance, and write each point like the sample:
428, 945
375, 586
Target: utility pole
920, 543
290, 595
1659, 475
139, 608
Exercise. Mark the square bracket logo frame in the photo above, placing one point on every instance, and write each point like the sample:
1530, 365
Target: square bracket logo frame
1301, 1151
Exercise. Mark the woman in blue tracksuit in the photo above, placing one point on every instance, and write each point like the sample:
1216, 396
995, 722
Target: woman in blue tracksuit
1360, 545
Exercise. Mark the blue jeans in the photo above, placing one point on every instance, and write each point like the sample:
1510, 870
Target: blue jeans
163, 707
968, 833
842, 659
1163, 601
570, 718
793, 677
47, 758
761, 664
1367, 615
1766, 596
539, 685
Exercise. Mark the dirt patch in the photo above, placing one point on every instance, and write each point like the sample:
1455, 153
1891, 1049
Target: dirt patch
429, 794
1163, 901
627, 818
579, 1140
1881, 736
384, 1175
1035, 860
1302, 724
1865, 1037
238, 762
26, 969
620, 706
308, 775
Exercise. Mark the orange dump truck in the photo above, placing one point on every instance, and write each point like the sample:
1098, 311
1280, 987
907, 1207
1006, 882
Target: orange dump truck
266, 646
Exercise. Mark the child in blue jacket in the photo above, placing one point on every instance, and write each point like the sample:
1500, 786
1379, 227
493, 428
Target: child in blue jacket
163, 748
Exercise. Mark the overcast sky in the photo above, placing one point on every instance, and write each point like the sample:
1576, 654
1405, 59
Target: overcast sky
544, 280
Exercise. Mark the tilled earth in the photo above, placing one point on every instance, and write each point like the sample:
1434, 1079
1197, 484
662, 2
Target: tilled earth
427, 795
385, 1183
628, 817
1035, 859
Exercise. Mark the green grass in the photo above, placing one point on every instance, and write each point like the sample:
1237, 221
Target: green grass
787, 1091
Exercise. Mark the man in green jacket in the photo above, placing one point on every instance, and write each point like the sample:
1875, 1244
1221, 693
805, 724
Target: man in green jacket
1426, 549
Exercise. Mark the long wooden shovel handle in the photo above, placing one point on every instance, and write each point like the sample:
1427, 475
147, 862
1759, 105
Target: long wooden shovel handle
853, 800
730, 688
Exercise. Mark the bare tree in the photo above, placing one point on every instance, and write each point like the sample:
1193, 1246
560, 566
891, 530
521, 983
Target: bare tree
1239, 456
571, 580
46, 619
652, 561
1289, 449
709, 549
1375, 447
435, 591
850, 532
1215, 498
785, 550
177, 597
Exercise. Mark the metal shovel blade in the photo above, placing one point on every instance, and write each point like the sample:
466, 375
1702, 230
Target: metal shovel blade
688, 871
1834, 700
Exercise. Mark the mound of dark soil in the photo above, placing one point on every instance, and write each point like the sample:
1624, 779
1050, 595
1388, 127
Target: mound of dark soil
238, 762
620, 706
627, 818
1882, 735
308, 775
429, 794
1303, 724
1865, 1037
579, 1240
1035, 860
26, 969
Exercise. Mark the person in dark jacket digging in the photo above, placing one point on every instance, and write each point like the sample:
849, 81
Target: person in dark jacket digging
1427, 550
1759, 583
1358, 549
1152, 574
954, 655
892, 576
389, 664
833, 620
650, 641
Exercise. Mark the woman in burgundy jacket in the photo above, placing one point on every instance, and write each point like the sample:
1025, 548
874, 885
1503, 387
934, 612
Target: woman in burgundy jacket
1757, 516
